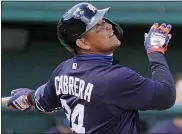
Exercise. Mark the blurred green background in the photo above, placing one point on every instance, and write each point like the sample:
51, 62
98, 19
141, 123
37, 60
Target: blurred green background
31, 50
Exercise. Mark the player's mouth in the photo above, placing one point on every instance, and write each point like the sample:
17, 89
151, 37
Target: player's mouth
111, 35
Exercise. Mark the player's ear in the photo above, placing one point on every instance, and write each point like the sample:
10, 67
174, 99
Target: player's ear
83, 44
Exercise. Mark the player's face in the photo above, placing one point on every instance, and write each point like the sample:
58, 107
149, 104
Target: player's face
102, 38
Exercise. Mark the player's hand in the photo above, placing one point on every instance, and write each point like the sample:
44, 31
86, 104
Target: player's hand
19, 99
157, 38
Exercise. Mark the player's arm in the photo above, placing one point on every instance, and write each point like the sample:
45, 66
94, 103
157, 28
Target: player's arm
133, 91
44, 98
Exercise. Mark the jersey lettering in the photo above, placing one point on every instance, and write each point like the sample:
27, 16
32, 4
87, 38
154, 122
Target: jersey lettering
69, 85
78, 113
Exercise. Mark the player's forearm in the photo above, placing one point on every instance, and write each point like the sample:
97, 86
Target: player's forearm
31, 99
164, 92
42, 101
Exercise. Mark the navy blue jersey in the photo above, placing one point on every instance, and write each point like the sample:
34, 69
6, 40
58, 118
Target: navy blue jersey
98, 97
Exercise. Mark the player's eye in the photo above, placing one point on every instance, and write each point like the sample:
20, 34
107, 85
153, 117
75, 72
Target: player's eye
98, 27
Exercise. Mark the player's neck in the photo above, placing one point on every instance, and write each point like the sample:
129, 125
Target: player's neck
95, 53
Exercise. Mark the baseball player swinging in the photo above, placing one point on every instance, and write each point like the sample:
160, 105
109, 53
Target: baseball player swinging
97, 96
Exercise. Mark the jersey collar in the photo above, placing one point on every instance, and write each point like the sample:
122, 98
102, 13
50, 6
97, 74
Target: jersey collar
108, 59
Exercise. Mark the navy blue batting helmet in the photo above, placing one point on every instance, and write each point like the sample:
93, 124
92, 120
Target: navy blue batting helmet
80, 19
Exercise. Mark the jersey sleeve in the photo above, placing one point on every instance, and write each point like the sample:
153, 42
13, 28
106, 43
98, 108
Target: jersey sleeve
45, 98
130, 90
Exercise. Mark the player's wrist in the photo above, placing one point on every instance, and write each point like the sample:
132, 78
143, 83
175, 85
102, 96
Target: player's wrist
30, 97
152, 50
156, 57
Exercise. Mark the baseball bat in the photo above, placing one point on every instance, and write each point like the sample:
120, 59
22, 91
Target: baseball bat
5, 100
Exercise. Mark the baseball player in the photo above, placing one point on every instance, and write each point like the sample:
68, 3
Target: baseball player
97, 96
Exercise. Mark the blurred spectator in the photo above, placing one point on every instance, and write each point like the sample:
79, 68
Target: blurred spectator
62, 127
174, 125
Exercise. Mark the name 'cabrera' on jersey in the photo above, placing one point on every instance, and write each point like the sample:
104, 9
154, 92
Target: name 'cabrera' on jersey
69, 85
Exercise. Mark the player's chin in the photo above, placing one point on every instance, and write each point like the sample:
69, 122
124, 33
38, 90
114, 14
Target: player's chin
115, 41
118, 43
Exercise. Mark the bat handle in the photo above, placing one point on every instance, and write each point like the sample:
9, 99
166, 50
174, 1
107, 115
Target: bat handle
5, 100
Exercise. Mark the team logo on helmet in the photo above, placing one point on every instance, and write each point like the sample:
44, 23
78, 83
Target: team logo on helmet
92, 8
78, 13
